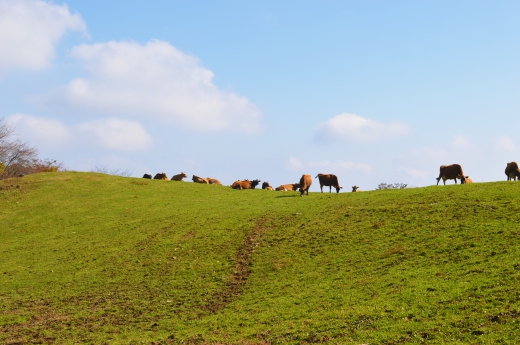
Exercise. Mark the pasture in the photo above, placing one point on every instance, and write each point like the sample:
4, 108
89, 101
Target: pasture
94, 258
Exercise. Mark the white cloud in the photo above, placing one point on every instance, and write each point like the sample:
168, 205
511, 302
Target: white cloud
154, 80
351, 127
29, 31
111, 134
115, 134
47, 133
504, 143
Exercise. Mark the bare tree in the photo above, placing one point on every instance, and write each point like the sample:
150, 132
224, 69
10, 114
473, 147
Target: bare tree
16, 156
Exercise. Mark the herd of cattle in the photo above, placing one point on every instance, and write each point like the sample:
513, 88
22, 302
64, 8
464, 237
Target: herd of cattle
447, 172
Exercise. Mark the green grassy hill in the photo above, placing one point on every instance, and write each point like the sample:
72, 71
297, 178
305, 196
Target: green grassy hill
92, 258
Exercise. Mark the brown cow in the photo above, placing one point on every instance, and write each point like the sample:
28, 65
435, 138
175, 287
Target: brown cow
213, 181
179, 177
246, 184
468, 180
288, 187
199, 179
148, 176
305, 184
329, 180
356, 189
451, 172
160, 176
266, 186
512, 171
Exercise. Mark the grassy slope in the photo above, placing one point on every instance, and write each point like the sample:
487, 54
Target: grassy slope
90, 258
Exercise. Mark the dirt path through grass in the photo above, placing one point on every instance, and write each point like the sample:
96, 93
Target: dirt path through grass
243, 258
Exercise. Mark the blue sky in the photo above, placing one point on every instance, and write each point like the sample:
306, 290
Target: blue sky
372, 91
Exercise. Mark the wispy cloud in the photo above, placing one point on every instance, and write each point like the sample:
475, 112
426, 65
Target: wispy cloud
30, 30
110, 134
153, 81
352, 127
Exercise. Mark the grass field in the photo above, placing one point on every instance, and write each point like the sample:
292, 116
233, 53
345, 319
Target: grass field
98, 259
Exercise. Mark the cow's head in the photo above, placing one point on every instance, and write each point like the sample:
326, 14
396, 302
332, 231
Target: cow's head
355, 188
265, 185
338, 188
255, 183
463, 179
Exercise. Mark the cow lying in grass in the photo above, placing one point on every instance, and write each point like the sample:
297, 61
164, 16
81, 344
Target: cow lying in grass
197, 179
160, 176
356, 189
288, 187
179, 177
213, 181
246, 184
266, 186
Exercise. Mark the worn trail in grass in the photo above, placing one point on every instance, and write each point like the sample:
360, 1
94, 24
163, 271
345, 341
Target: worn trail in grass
92, 258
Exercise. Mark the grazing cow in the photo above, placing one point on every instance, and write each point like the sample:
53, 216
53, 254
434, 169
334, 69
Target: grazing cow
468, 180
179, 177
451, 172
329, 180
288, 187
160, 176
266, 186
213, 181
512, 171
305, 184
356, 189
148, 176
199, 179
246, 184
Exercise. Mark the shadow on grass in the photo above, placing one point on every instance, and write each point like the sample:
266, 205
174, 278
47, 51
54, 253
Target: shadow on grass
288, 196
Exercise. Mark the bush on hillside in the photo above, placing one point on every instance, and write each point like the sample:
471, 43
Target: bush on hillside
391, 186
